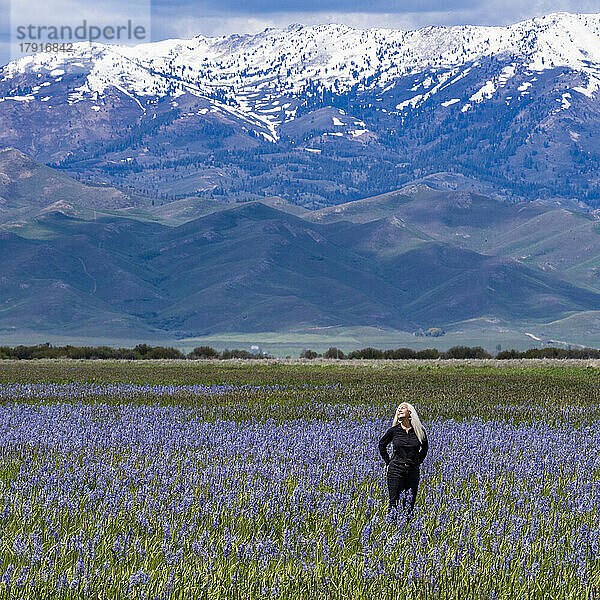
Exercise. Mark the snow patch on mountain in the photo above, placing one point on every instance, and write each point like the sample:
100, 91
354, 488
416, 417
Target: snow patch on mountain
410, 102
592, 86
487, 91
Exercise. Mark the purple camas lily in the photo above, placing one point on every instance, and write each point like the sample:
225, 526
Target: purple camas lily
144, 500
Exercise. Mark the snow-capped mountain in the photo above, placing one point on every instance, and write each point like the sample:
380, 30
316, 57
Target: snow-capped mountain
321, 114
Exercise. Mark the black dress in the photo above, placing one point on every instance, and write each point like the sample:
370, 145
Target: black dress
403, 466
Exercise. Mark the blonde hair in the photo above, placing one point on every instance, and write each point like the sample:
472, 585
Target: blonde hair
414, 420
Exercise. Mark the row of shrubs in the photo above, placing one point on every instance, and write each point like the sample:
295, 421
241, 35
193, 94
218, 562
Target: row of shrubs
140, 352
400, 353
454, 352
550, 353
145, 352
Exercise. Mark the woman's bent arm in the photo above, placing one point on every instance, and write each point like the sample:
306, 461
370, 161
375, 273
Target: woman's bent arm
383, 444
424, 448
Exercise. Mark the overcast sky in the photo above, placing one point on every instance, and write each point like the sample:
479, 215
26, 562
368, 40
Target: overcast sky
187, 18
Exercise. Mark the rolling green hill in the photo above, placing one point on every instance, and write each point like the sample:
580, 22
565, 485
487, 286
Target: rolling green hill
253, 268
28, 187
540, 235
403, 261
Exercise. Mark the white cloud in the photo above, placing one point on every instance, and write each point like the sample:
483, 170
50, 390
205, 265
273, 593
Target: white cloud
75, 10
30, 21
4, 52
486, 13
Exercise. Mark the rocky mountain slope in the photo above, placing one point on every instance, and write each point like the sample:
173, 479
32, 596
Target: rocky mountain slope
321, 115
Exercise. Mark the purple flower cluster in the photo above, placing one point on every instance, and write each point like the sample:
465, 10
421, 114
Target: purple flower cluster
78, 391
147, 498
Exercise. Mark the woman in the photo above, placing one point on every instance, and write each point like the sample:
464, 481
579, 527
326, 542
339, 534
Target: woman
410, 448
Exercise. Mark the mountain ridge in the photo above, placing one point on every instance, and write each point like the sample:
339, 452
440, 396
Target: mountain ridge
321, 115
546, 41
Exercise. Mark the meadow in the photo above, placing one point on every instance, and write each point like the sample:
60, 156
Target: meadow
263, 480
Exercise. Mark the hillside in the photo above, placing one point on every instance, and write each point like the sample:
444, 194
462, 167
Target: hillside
373, 264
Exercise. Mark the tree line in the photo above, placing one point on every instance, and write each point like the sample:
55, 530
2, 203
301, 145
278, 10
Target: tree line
454, 352
140, 352
146, 352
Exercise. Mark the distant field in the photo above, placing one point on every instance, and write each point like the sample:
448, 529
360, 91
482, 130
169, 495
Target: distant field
477, 333
261, 479
575, 332
291, 370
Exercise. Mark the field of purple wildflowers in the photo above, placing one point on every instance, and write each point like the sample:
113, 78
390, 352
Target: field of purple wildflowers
210, 485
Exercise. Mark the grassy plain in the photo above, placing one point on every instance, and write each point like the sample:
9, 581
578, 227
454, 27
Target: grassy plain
507, 389
261, 479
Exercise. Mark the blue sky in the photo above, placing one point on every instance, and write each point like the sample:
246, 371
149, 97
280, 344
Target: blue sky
212, 17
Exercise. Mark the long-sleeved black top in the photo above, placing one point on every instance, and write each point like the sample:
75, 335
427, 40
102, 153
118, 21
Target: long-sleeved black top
407, 448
